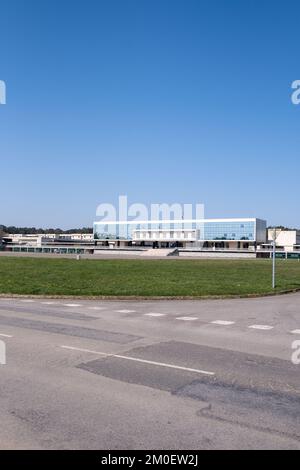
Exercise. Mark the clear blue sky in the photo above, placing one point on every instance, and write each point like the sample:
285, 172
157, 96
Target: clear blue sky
165, 101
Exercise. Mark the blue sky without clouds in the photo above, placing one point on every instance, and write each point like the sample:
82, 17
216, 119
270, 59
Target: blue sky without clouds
165, 101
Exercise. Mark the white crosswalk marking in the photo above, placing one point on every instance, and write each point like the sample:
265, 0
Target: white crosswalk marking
187, 318
125, 311
223, 322
154, 314
72, 305
261, 327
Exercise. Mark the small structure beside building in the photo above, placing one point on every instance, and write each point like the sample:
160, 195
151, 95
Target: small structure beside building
39, 239
287, 240
72, 243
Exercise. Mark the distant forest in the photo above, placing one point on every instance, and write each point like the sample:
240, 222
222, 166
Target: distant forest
26, 230
282, 227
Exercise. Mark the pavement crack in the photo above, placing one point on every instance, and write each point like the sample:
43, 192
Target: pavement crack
205, 413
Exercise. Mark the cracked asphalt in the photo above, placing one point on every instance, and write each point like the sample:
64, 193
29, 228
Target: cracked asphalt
213, 374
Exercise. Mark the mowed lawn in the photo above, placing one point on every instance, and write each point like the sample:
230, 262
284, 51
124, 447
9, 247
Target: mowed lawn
196, 278
45, 276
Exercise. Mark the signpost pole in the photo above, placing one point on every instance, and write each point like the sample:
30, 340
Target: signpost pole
274, 262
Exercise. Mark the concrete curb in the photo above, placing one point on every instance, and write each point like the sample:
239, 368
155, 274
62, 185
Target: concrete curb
147, 298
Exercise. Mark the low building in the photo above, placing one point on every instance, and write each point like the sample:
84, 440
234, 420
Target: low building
231, 234
27, 239
39, 239
76, 237
287, 240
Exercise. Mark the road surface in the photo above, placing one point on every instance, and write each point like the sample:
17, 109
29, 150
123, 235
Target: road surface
211, 374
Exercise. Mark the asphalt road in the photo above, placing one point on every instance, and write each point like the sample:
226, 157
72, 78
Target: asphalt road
151, 374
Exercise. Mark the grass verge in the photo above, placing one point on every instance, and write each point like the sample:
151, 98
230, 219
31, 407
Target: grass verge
145, 278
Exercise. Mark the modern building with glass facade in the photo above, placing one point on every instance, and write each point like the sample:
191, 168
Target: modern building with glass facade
241, 233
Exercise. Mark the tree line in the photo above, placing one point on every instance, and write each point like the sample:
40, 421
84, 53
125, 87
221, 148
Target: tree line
26, 230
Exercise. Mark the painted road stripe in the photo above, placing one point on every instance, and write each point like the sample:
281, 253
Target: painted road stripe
261, 327
72, 305
223, 322
49, 303
5, 336
27, 301
125, 311
96, 308
187, 318
143, 361
296, 332
154, 314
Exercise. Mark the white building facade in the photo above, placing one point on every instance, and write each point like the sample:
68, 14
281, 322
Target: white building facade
242, 233
288, 240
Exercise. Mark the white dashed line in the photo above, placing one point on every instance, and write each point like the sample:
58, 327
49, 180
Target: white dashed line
27, 301
125, 311
223, 322
295, 332
5, 336
96, 308
48, 303
72, 305
154, 314
143, 361
261, 327
187, 318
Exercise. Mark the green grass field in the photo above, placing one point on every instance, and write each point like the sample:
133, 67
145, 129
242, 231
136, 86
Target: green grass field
148, 278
